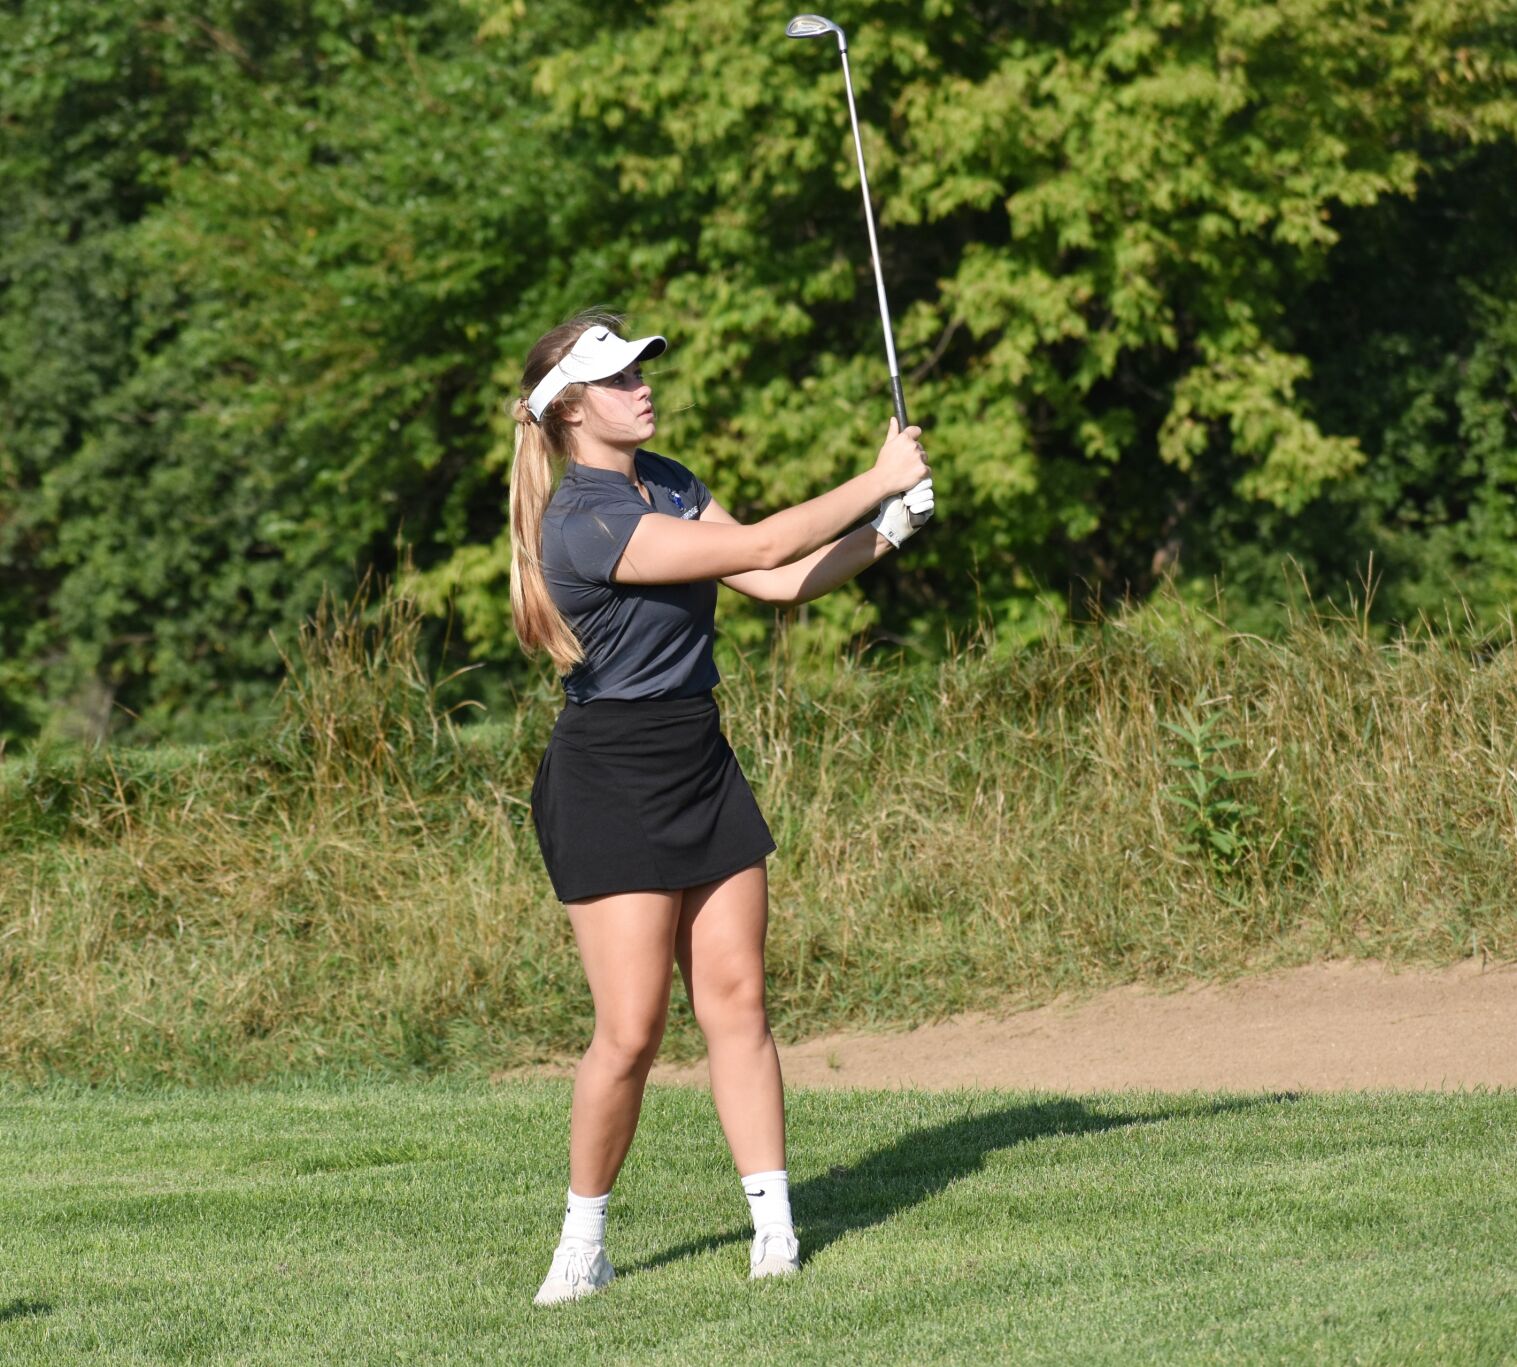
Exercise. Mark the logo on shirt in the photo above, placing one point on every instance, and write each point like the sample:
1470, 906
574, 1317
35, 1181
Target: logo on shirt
680, 504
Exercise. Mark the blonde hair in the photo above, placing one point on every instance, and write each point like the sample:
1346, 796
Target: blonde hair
543, 447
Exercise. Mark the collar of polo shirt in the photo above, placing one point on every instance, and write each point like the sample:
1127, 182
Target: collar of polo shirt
597, 353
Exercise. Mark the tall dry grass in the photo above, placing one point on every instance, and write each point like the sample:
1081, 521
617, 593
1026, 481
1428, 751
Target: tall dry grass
1152, 799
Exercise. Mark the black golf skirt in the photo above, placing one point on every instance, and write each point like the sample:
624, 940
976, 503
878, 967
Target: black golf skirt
643, 796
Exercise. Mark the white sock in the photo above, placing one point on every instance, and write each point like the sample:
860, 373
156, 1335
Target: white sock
585, 1219
768, 1196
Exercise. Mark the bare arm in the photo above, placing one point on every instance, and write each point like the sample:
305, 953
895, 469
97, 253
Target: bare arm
811, 576
670, 550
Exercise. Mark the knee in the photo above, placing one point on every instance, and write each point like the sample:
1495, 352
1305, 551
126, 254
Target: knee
734, 1015
627, 1048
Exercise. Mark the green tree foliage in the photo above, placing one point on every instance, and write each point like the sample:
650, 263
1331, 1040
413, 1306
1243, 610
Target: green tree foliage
1178, 284
315, 213
1414, 330
1101, 223
87, 95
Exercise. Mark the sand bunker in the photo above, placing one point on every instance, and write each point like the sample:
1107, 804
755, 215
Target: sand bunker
1327, 1027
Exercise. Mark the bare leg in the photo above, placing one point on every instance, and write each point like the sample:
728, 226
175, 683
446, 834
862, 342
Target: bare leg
720, 948
626, 942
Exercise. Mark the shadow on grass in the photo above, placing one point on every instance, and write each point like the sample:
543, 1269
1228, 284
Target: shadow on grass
20, 1310
921, 1164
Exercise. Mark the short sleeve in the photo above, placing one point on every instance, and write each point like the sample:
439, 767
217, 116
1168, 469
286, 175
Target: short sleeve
594, 540
693, 493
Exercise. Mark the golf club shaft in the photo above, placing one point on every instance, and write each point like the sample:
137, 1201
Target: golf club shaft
874, 253
897, 393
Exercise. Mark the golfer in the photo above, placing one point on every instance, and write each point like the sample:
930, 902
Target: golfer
650, 834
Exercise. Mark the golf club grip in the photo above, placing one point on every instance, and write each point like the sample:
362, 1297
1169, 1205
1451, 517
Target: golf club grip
900, 421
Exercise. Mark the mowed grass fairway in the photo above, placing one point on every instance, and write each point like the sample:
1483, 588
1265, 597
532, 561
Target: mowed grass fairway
411, 1223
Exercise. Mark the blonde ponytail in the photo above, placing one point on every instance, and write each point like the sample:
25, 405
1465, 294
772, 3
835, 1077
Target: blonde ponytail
538, 623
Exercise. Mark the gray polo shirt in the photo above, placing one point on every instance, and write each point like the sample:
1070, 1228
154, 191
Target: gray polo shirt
640, 640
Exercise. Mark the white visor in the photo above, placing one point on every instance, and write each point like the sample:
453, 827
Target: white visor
597, 354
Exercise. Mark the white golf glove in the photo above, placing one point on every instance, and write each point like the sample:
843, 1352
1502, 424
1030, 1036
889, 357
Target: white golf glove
901, 516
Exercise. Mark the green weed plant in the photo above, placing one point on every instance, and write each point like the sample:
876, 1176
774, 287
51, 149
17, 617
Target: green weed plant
1216, 821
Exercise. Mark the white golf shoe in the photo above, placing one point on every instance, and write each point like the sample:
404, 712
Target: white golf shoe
577, 1270
775, 1253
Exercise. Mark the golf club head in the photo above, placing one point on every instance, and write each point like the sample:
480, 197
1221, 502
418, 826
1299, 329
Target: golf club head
814, 26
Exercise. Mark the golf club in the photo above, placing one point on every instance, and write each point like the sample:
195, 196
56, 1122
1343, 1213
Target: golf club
815, 26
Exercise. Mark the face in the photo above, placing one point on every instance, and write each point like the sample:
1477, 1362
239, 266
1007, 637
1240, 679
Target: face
619, 409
